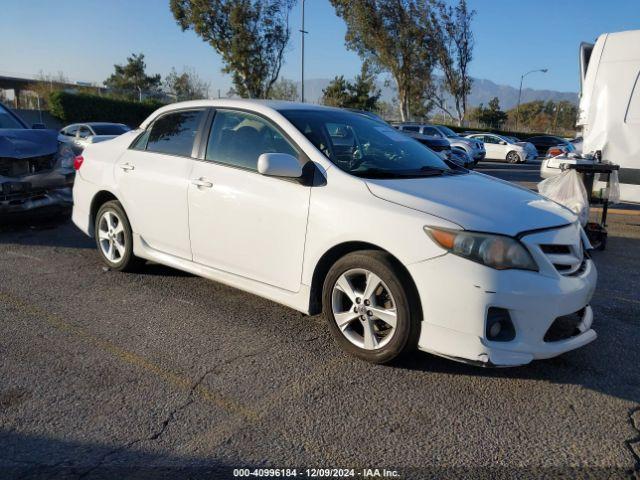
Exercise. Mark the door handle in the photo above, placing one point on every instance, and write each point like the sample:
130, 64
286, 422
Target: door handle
127, 166
201, 182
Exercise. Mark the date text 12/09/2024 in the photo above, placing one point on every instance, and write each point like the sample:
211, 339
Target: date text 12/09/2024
317, 472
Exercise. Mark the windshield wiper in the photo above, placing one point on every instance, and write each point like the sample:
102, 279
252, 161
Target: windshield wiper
425, 171
376, 173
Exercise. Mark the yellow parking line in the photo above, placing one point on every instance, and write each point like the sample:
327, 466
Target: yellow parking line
130, 358
617, 211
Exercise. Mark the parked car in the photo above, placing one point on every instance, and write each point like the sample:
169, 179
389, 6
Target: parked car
544, 142
577, 144
528, 146
35, 170
462, 158
79, 135
397, 248
474, 148
502, 148
443, 148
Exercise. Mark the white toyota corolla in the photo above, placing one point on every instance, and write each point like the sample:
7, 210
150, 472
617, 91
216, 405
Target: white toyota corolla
326, 210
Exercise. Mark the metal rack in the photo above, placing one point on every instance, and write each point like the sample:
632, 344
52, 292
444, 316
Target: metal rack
596, 231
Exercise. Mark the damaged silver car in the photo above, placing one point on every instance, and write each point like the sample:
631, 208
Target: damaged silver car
36, 171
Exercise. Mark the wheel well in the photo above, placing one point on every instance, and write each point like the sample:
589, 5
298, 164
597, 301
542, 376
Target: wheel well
332, 256
99, 199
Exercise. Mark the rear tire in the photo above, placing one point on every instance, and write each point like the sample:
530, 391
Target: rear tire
114, 238
371, 306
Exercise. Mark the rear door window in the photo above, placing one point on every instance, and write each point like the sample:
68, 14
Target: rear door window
174, 133
431, 131
71, 131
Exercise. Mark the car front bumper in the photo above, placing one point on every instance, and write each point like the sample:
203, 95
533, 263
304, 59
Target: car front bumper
456, 295
479, 155
40, 190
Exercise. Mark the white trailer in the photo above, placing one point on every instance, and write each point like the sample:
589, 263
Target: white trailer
610, 105
609, 111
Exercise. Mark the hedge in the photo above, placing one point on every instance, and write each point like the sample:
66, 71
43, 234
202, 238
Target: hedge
83, 107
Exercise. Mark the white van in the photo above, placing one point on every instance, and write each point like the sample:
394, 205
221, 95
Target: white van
610, 104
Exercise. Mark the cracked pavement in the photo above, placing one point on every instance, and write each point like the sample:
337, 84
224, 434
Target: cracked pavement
166, 375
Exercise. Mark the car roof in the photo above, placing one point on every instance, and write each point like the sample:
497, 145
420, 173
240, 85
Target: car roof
93, 124
267, 107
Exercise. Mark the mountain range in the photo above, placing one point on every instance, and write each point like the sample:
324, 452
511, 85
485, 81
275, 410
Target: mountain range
482, 92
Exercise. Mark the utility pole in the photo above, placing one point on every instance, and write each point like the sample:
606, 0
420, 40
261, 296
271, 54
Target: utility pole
543, 70
303, 32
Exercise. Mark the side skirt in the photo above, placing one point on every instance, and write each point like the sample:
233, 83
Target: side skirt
297, 300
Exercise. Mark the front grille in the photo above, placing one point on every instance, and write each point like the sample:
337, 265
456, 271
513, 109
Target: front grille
568, 260
20, 198
564, 327
19, 167
556, 249
440, 148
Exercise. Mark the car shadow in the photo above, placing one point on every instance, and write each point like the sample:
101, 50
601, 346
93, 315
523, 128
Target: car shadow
32, 456
51, 228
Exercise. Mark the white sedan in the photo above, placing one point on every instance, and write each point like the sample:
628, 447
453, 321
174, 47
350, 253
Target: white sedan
502, 148
325, 210
79, 135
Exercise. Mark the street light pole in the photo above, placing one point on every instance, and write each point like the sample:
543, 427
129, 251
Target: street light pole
543, 70
303, 32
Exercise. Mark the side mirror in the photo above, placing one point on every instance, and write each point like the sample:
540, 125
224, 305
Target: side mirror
502, 142
38, 126
279, 165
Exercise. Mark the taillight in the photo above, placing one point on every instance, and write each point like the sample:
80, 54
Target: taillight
77, 162
554, 152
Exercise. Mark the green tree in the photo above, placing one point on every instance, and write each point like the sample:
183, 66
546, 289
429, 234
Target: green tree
186, 85
491, 116
132, 80
337, 93
284, 89
362, 94
395, 36
454, 51
250, 35
364, 91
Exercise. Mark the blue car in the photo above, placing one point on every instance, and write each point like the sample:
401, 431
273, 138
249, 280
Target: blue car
36, 170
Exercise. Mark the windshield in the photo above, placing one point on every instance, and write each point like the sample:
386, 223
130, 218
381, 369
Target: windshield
365, 147
110, 129
7, 120
448, 132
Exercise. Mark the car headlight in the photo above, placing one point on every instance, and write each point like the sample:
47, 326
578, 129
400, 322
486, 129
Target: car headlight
495, 251
65, 156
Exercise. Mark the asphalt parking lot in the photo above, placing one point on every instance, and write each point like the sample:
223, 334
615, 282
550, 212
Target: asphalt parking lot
168, 375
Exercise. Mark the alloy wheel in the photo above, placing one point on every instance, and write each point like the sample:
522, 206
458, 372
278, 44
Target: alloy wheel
364, 309
111, 236
513, 157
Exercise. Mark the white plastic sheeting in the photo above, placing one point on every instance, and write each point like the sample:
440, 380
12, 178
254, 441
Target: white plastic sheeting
567, 189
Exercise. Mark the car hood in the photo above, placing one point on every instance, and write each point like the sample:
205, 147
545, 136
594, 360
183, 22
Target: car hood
475, 202
26, 143
471, 143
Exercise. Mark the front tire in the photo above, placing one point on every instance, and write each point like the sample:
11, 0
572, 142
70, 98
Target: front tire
371, 307
513, 157
114, 238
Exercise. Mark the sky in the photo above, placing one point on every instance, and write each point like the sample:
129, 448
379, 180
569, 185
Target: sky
85, 38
